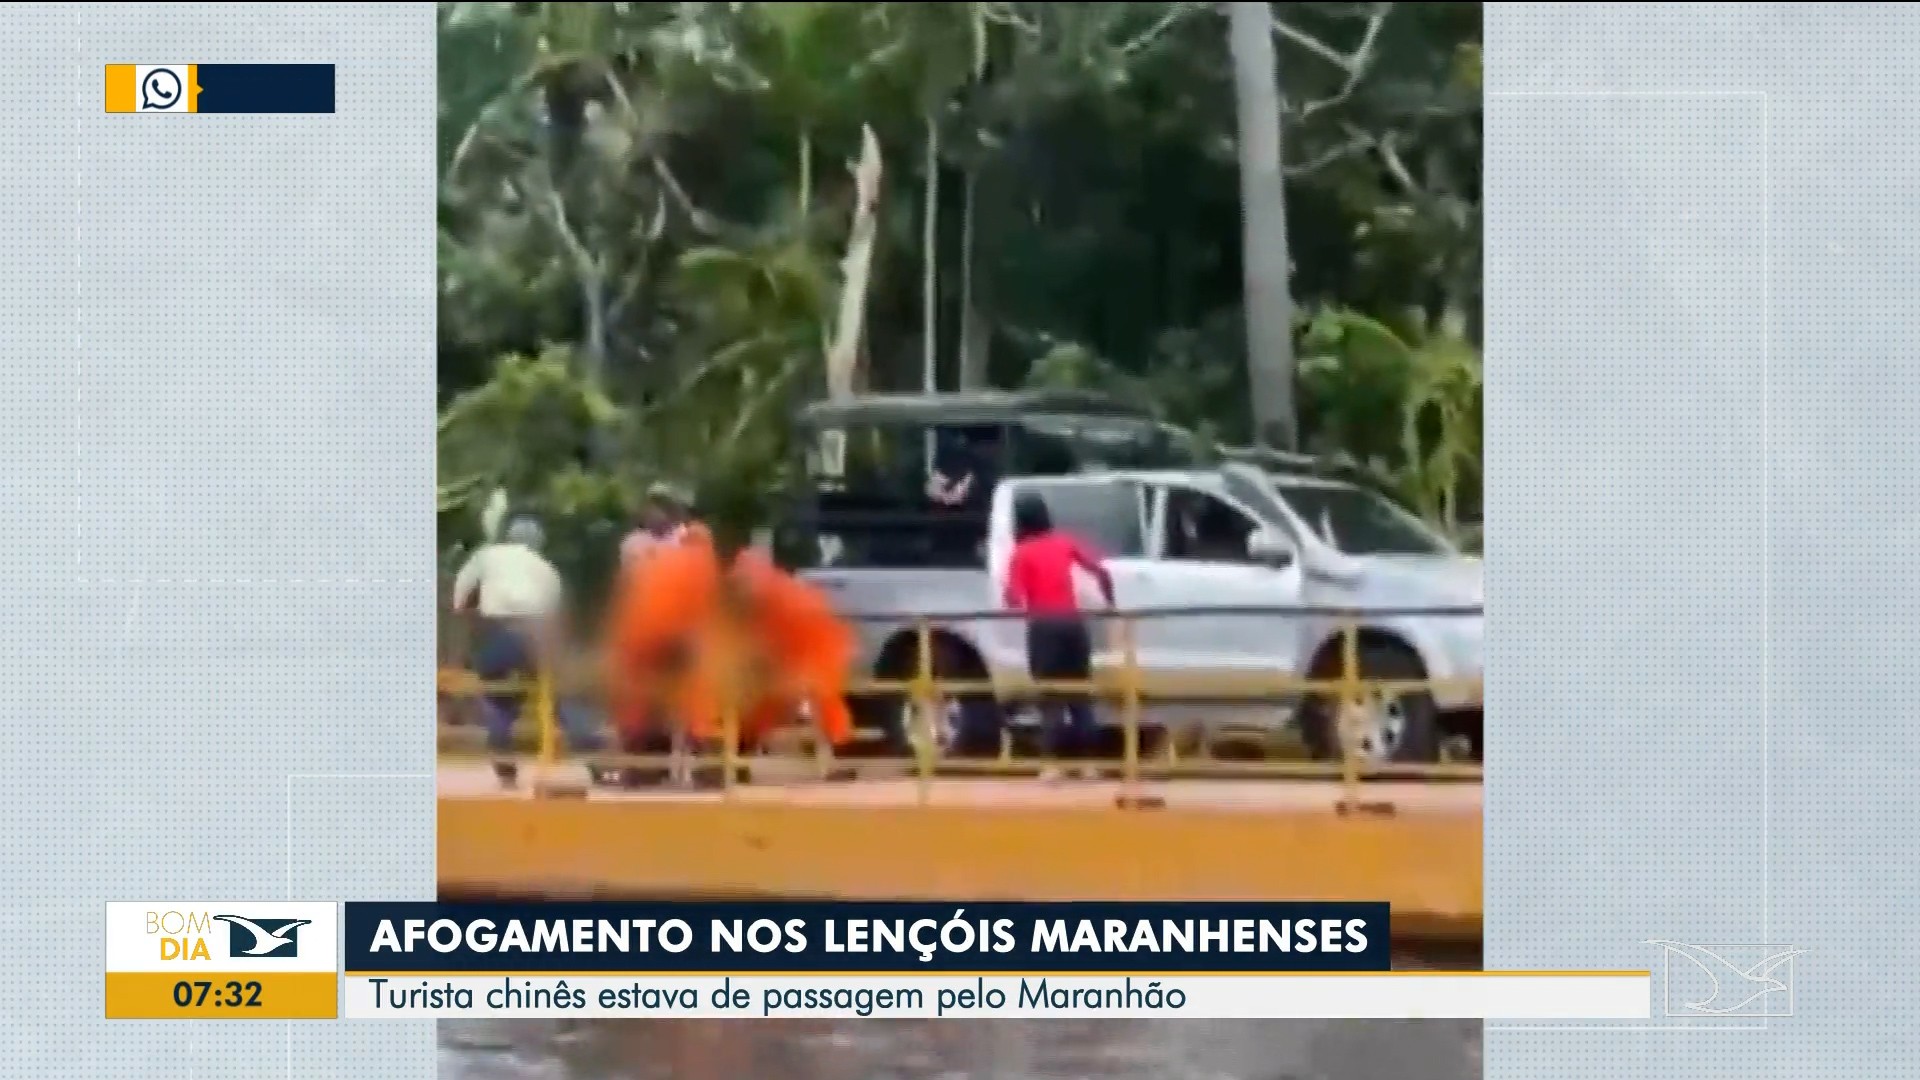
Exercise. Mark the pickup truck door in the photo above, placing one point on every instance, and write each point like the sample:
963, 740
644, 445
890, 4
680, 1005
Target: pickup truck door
1108, 514
1198, 540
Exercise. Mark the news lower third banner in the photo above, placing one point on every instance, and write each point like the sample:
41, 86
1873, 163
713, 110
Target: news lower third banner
220, 88
227, 961
748, 959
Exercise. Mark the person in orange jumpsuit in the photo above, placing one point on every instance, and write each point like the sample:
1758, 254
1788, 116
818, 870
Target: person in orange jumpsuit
667, 525
663, 613
807, 651
691, 625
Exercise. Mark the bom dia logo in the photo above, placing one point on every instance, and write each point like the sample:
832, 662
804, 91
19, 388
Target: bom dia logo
183, 935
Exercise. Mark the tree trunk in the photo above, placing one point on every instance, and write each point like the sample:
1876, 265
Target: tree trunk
566, 123
974, 330
843, 349
973, 322
805, 196
1265, 260
930, 263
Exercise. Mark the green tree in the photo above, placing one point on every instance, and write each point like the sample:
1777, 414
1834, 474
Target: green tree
644, 213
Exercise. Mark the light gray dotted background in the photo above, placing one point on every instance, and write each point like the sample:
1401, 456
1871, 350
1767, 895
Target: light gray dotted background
1702, 234
216, 546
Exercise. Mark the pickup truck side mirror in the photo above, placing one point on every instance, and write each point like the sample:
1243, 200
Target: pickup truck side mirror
1269, 546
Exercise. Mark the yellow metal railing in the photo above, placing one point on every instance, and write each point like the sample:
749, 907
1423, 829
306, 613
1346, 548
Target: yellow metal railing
1128, 684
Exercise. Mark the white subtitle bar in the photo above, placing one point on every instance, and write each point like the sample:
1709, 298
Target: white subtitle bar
1624, 995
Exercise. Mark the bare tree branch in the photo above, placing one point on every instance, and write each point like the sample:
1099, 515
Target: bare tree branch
634, 279
584, 262
1358, 64
1008, 15
1357, 143
1384, 147
702, 221
658, 226
591, 276
1173, 14
489, 115
1390, 157
1313, 45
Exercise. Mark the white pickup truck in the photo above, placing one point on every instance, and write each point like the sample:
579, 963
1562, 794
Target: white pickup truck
1237, 541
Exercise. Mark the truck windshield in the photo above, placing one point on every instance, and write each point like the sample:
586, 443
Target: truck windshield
1359, 522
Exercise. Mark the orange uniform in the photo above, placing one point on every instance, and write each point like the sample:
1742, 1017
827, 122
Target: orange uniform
809, 648
681, 601
665, 605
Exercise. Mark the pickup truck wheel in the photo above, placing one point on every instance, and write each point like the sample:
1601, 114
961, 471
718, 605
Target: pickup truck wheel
1393, 727
962, 725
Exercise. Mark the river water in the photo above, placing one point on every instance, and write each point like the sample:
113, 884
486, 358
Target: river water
962, 1049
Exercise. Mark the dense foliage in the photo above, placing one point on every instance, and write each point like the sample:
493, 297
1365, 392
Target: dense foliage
646, 212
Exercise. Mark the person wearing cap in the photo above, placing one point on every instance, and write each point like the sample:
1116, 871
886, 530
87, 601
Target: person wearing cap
665, 518
519, 601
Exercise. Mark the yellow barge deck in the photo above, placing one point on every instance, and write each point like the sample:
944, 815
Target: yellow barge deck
977, 839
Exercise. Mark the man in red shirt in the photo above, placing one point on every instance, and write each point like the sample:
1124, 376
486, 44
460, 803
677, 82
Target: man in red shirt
1059, 646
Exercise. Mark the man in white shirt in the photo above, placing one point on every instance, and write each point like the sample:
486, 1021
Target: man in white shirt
519, 599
